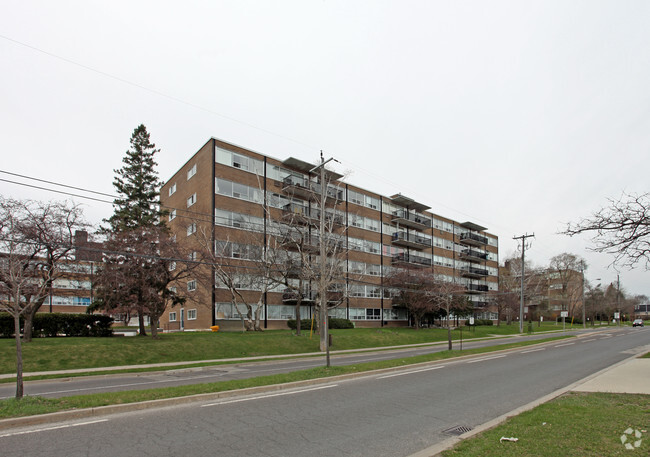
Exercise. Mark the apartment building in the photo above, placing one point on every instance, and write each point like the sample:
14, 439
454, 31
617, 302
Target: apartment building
227, 195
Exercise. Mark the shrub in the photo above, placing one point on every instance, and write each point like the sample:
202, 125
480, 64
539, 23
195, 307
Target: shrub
340, 323
480, 322
304, 324
333, 322
56, 324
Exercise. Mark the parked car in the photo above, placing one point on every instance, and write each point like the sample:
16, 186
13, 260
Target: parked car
637, 323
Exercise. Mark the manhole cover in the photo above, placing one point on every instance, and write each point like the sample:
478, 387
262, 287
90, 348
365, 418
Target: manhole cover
457, 430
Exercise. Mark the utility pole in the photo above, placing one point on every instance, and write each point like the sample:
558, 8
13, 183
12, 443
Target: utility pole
618, 293
584, 314
322, 315
523, 271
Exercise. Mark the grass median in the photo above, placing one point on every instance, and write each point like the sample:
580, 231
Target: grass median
584, 424
38, 405
50, 354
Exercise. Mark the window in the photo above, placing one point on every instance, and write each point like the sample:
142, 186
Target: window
191, 229
172, 289
172, 316
373, 314
191, 314
172, 215
191, 172
191, 285
172, 266
172, 189
192, 256
191, 200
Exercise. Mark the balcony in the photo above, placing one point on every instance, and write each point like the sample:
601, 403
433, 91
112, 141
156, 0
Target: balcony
411, 259
303, 215
412, 220
291, 296
299, 214
473, 239
473, 272
411, 240
477, 288
297, 186
304, 188
473, 255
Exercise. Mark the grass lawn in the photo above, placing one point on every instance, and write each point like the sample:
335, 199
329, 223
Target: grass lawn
48, 354
580, 424
38, 405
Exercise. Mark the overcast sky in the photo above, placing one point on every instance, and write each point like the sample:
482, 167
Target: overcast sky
517, 115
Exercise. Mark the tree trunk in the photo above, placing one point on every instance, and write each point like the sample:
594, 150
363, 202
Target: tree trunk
27, 327
19, 358
154, 328
143, 329
298, 315
28, 320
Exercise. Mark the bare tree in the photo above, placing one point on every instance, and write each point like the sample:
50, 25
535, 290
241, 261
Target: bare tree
35, 239
566, 272
139, 269
448, 296
621, 228
508, 298
413, 290
52, 226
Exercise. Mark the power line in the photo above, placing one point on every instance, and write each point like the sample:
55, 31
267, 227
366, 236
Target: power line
153, 91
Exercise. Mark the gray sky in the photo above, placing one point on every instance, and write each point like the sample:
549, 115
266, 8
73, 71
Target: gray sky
520, 116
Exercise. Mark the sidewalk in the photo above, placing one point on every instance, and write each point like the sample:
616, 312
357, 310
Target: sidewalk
632, 376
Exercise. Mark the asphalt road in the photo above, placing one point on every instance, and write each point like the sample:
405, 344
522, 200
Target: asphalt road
394, 414
136, 381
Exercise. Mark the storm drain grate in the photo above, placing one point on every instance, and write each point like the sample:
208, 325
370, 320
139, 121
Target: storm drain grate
457, 430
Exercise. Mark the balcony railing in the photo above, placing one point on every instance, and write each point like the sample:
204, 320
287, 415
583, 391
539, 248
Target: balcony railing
473, 272
291, 296
477, 288
472, 254
309, 189
413, 220
412, 259
473, 239
303, 214
411, 240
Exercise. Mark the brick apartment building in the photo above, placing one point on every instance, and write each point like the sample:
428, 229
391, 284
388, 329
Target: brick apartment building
224, 192
72, 289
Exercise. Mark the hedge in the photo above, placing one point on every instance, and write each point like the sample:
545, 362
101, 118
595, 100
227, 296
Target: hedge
58, 324
333, 322
480, 322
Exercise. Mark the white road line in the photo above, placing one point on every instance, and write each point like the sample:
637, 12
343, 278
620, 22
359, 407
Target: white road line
586, 341
562, 345
58, 427
261, 397
486, 359
533, 350
605, 337
128, 385
410, 372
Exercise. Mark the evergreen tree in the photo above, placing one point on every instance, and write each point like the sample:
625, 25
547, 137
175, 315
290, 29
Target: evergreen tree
137, 214
137, 185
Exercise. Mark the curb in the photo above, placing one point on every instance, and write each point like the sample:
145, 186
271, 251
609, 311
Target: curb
437, 449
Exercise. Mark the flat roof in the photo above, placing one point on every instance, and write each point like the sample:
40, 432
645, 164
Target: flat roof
473, 226
306, 167
408, 203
